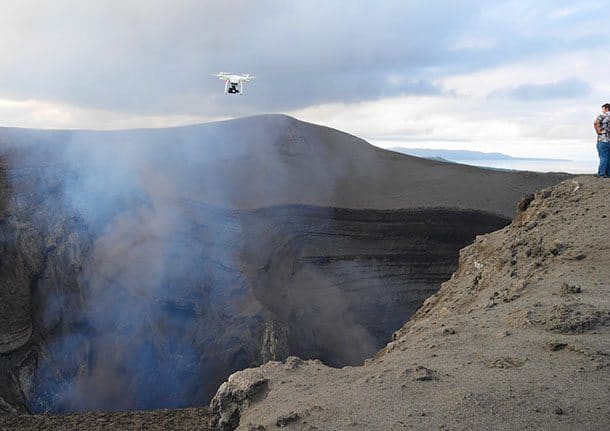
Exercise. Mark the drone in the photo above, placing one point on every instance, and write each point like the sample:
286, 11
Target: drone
233, 81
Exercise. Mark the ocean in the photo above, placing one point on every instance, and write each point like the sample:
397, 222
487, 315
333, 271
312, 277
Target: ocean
569, 166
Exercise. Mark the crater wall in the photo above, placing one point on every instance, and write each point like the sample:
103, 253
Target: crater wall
238, 288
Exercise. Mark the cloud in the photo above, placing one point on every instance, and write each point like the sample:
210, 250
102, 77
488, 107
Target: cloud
402, 85
563, 12
156, 57
571, 88
562, 130
138, 63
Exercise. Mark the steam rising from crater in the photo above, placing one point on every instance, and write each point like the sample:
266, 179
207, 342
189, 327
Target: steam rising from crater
154, 271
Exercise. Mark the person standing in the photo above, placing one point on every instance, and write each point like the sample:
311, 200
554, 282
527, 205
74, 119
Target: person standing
602, 128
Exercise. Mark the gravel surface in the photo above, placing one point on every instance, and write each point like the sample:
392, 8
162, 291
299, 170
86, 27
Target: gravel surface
178, 419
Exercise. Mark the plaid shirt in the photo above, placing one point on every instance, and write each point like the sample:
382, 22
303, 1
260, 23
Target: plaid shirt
604, 125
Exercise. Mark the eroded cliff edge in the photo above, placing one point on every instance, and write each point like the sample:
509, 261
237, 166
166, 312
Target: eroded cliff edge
518, 337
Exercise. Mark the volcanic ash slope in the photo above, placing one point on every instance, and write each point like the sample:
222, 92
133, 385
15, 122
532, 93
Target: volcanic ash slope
518, 338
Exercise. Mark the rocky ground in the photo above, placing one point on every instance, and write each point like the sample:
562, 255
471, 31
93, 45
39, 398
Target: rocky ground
518, 338
176, 419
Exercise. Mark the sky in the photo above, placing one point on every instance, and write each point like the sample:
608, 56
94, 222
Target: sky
520, 77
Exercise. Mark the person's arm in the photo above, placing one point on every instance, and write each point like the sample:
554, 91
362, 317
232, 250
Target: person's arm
596, 126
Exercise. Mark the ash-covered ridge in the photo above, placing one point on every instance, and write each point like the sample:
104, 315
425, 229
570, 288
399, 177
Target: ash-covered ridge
140, 268
264, 161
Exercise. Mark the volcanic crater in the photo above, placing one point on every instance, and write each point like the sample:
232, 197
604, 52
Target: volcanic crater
140, 268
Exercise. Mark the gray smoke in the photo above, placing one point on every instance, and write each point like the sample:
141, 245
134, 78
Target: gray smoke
162, 295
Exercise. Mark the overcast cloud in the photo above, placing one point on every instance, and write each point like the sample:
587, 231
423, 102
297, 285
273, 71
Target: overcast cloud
488, 71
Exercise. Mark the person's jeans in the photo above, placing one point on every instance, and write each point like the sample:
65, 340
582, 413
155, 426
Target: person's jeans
603, 149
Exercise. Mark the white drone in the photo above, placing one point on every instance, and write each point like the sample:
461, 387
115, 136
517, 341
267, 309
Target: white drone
232, 81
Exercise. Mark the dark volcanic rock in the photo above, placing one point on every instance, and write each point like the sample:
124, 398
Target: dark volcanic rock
343, 280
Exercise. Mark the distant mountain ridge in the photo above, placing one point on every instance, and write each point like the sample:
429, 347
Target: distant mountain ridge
455, 155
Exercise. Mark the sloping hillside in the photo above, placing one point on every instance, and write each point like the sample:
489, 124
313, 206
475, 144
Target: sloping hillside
262, 161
